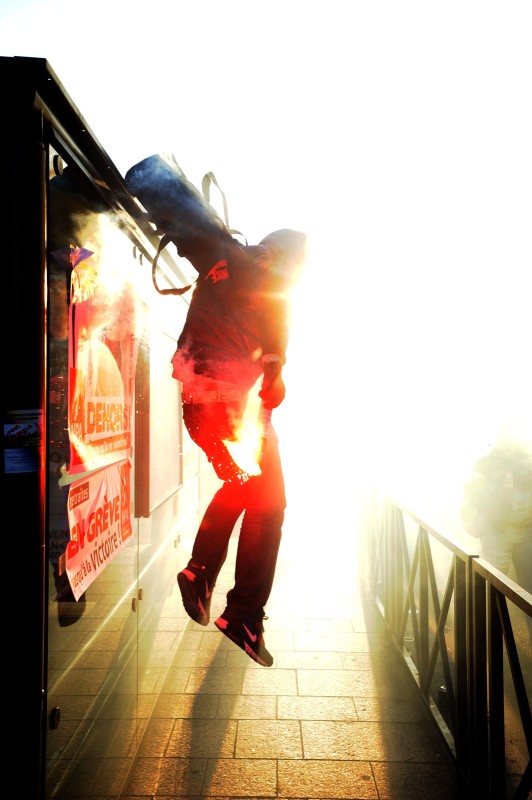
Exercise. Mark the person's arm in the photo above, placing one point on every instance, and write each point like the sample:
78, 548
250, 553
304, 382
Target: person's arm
273, 322
284, 256
273, 390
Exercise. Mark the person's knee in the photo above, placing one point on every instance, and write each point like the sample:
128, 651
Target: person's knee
260, 519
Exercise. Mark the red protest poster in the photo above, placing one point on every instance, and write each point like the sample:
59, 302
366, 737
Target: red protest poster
105, 321
99, 521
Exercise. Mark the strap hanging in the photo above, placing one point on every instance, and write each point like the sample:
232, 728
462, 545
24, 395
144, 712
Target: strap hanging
165, 240
208, 179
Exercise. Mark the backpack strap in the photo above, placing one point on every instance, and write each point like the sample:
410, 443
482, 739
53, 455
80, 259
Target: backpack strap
208, 179
165, 240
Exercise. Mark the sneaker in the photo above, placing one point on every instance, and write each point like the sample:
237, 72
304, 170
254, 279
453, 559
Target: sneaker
195, 593
247, 634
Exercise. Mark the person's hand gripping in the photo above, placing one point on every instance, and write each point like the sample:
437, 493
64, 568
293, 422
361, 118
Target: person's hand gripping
273, 390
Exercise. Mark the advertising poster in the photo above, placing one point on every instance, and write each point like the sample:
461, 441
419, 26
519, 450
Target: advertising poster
104, 321
22, 440
99, 521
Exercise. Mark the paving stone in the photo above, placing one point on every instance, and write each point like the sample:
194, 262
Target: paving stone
268, 739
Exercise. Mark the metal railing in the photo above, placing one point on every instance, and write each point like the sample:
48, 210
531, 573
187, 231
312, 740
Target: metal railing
465, 632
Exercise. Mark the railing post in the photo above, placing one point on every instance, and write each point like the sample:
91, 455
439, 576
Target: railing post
424, 639
497, 757
478, 729
398, 576
485, 669
461, 631
389, 566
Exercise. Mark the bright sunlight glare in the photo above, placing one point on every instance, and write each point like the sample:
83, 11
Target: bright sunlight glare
397, 135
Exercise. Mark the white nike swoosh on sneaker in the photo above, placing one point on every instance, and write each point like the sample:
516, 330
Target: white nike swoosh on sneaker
252, 636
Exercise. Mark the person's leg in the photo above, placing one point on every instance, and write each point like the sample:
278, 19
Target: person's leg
256, 559
209, 551
212, 539
260, 536
208, 425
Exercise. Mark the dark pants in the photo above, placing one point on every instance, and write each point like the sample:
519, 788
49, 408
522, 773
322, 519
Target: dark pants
261, 500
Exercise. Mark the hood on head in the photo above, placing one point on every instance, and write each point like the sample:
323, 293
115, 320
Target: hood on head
287, 249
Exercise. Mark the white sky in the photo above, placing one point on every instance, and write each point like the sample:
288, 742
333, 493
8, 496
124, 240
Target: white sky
398, 134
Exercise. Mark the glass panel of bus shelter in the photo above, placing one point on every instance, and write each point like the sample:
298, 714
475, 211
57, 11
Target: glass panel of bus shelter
95, 326
162, 618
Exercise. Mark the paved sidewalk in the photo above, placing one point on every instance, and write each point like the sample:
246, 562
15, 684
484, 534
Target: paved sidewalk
337, 716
